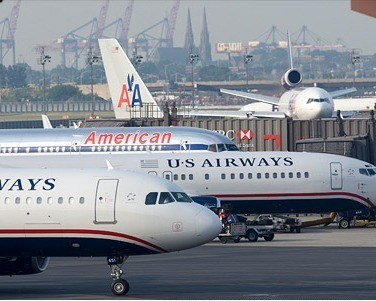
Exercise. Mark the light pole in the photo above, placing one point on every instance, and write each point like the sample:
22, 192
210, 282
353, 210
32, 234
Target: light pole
44, 58
247, 58
91, 59
355, 58
192, 59
136, 58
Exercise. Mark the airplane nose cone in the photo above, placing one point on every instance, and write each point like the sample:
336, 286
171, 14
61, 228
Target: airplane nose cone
208, 226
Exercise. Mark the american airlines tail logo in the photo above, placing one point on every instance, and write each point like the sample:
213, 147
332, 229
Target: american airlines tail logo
130, 94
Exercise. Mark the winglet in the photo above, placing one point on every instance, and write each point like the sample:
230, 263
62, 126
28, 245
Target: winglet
109, 165
46, 122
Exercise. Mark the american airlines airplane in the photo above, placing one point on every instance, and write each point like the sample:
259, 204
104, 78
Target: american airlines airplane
251, 182
298, 102
124, 140
75, 212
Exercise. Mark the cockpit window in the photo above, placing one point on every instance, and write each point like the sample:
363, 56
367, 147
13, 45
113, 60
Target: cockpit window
165, 198
223, 147
181, 197
367, 171
151, 198
318, 100
232, 148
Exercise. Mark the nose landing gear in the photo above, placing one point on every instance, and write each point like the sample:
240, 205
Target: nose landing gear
119, 286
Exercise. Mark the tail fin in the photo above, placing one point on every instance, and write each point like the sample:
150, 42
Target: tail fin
289, 50
129, 94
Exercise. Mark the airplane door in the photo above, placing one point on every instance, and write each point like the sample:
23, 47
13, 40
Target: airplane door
336, 175
105, 201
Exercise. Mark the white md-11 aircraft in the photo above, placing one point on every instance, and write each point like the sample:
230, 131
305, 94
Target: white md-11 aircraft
251, 182
298, 102
74, 212
113, 140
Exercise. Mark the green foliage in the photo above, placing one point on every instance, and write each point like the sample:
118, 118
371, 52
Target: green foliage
62, 93
213, 73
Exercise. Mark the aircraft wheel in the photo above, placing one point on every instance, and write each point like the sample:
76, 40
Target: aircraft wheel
223, 240
344, 223
236, 239
252, 235
269, 237
120, 287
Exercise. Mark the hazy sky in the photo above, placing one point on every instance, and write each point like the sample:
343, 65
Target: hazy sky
43, 21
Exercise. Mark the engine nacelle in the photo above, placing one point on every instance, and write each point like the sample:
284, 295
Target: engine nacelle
23, 265
291, 79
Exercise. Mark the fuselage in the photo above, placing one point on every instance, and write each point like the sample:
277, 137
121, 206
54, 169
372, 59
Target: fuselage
96, 212
113, 140
250, 181
307, 103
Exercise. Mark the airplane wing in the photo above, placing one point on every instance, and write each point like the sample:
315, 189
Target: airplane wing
341, 92
253, 96
354, 104
236, 114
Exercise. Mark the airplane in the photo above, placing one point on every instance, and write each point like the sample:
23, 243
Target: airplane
250, 182
129, 94
76, 212
124, 140
298, 102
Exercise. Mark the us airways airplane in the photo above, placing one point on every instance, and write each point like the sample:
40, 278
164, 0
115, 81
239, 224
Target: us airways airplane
72, 212
128, 92
298, 102
112, 140
251, 182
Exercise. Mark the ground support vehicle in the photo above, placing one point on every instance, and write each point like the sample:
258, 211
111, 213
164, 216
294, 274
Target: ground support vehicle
281, 223
233, 229
361, 218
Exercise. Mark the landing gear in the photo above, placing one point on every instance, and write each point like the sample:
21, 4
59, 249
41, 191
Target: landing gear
119, 286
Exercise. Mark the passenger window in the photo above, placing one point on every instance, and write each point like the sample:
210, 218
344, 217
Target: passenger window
283, 175
275, 175
176, 177
206, 176
17, 200
241, 176
223, 176
165, 198
249, 175
190, 176
82, 200
306, 174
232, 176
298, 175
39, 200
151, 198
258, 175
183, 177
266, 175
60, 200
291, 175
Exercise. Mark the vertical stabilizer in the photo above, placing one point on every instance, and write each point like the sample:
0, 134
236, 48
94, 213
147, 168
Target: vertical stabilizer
130, 96
289, 51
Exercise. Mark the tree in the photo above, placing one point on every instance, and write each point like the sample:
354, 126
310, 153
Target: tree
16, 76
63, 93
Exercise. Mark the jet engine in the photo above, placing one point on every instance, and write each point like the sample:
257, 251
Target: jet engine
23, 265
291, 79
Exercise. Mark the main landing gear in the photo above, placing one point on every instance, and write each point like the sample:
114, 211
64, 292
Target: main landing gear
119, 286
